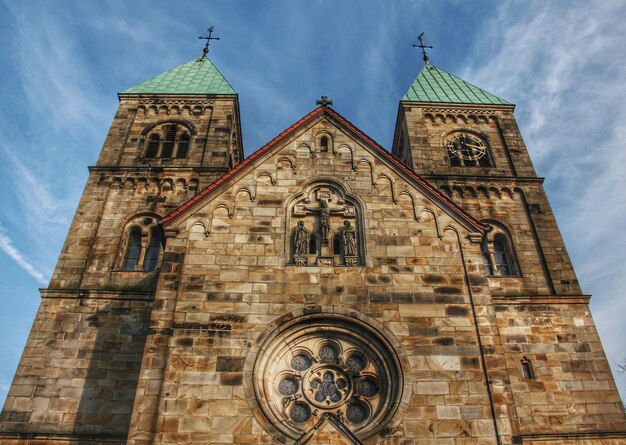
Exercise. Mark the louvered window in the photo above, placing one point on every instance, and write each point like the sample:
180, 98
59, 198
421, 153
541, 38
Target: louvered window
183, 146
168, 143
153, 146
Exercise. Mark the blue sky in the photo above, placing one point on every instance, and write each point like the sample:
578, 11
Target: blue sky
561, 62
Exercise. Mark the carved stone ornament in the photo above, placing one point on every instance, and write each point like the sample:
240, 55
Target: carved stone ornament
328, 365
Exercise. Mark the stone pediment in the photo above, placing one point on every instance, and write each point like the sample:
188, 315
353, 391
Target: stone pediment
298, 145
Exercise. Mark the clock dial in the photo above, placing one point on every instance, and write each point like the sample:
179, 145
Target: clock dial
469, 148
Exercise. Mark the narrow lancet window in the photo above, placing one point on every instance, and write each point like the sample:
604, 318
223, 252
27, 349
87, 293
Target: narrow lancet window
527, 369
501, 256
313, 244
154, 249
324, 143
133, 250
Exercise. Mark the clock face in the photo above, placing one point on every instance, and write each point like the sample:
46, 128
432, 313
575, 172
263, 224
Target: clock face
467, 147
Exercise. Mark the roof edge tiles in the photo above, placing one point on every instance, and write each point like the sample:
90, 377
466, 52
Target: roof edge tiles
436, 85
198, 76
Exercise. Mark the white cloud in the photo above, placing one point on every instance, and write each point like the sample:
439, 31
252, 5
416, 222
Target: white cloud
567, 72
6, 245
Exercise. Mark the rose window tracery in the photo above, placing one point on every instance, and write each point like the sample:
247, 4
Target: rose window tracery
334, 369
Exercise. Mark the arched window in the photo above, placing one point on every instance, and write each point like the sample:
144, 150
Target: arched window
498, 254
324, 143
313, 244
133, 249
336, 245
527, 368
142, 245
154, 249
167, 141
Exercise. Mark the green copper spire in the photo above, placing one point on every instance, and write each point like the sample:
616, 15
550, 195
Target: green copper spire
436, 85
198, 76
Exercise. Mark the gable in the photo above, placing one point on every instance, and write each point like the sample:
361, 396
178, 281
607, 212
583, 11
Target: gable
353, 149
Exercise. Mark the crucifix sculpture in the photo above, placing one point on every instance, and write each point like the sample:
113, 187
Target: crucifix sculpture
324, 211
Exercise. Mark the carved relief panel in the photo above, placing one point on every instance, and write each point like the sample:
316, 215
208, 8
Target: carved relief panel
325, 226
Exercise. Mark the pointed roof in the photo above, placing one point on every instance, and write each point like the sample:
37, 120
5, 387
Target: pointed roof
436, 85
328, 112
198, 76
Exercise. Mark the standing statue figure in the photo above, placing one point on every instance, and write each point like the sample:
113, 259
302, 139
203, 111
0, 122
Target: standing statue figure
301, 240
325, 211
350, 244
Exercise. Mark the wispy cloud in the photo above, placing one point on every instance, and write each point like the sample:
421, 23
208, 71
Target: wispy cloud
567, 77
6, 245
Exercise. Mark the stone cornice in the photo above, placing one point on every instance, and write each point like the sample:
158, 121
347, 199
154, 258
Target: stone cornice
96, 294
541, 299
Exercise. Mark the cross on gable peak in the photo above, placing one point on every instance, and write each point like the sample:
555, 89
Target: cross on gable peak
324, 101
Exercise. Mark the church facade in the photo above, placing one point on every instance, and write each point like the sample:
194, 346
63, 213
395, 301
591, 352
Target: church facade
320, 291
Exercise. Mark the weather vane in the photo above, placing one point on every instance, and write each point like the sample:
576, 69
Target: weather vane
205, 50
423, 47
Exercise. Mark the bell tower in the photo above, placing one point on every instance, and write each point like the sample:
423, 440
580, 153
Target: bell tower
171, 136
466, 142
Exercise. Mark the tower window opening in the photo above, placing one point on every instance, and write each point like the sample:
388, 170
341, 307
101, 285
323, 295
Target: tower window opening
168, 143
183, 146
153, 146
527, 369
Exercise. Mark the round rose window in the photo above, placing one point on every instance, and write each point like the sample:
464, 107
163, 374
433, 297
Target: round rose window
327, 364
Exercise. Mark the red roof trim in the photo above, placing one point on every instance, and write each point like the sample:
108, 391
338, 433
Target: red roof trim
394, 160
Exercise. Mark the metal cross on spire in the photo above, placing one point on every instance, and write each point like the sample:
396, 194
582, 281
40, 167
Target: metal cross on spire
423, 47
208, 39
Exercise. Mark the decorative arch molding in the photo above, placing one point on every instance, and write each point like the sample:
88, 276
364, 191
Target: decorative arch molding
347, 147
246, 190
188, 125
224, 206
412, 198
371, 169
325, 210
292, 164
435, 219
202, 223
305, 146
266, 174
391, 184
